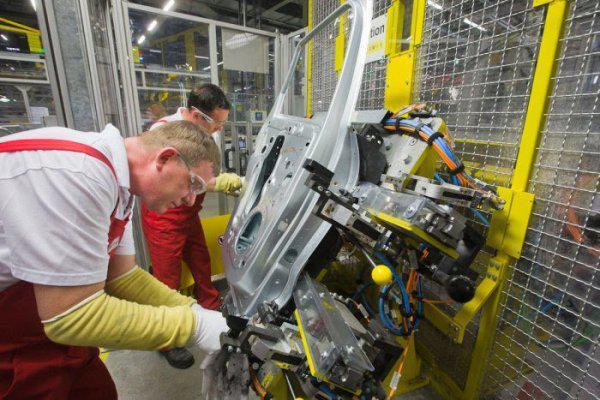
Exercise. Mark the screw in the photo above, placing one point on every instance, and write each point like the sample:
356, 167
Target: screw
410, 211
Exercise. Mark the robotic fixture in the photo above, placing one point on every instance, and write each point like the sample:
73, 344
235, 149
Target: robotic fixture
370, 180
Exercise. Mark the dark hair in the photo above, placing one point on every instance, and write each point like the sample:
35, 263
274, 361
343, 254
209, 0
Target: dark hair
208, 97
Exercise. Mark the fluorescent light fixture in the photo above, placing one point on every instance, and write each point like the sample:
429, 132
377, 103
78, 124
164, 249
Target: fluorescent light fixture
152, 25
141, 39
435, 5
202, 57
169, 5
155, 51
240, 40
474, 25
207, 68
33, 5
4, 99
4, 37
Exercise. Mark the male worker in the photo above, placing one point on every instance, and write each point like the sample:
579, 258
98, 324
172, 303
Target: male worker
177, 234
68, 283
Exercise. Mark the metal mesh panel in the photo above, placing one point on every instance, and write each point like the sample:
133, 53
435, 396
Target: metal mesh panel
444, 352
476, 64
547, 344
325, 78
372, 90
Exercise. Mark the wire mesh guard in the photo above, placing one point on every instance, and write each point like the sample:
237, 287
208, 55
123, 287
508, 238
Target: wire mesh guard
476, 64
324, 76
372, 89
546, 346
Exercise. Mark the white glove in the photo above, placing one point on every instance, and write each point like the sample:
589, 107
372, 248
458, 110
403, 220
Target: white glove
209, 325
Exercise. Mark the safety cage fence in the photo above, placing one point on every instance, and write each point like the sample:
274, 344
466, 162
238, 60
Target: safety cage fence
477, 62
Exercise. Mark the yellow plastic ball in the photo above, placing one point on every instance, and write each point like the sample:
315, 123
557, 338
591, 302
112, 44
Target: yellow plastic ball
381, 275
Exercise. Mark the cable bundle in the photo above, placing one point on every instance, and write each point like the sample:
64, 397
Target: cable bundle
436, 139
410, 316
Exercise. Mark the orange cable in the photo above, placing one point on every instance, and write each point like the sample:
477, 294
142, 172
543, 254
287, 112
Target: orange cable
400, 366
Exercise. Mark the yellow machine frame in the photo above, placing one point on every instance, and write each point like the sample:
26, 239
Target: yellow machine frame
507, 227
33, 35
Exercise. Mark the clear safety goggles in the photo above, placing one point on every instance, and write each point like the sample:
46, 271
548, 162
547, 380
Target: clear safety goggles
209, 119
197, 184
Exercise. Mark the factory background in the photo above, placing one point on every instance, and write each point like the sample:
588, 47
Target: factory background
517, 82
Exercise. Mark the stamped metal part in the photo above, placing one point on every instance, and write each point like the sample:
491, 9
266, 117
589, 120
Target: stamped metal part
273, 233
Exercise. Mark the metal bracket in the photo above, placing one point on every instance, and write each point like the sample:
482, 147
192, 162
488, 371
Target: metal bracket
454, 327
509, 226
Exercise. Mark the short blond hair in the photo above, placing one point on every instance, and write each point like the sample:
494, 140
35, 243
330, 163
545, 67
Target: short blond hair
193, 142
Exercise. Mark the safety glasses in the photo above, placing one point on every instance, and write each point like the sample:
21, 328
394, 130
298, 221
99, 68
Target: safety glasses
197, 184
208, 119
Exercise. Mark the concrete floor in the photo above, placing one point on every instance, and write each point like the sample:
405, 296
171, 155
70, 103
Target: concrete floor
147, 375
143, 375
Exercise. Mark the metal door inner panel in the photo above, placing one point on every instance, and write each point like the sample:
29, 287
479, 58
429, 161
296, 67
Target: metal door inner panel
272, 233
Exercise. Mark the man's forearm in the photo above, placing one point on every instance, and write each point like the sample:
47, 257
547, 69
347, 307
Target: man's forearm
105, 321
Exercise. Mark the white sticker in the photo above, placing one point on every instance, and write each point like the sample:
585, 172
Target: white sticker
395, 380
376, 48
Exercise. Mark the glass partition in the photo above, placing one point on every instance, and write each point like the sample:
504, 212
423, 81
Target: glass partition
171, 53
25, 96
170, 56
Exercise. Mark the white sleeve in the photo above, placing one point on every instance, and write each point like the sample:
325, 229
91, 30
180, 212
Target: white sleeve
127, 246
56, 225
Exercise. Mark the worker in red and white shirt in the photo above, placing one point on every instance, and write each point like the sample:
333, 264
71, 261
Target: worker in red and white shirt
68, 280
177, 234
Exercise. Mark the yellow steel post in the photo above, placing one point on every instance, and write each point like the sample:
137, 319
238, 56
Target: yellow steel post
532, 130
540, 89
340, 44
401, 64
190, 49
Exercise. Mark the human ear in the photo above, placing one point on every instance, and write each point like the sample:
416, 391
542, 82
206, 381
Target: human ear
164, 156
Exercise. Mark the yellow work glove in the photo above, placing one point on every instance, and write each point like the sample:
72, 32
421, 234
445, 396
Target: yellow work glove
228, 183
